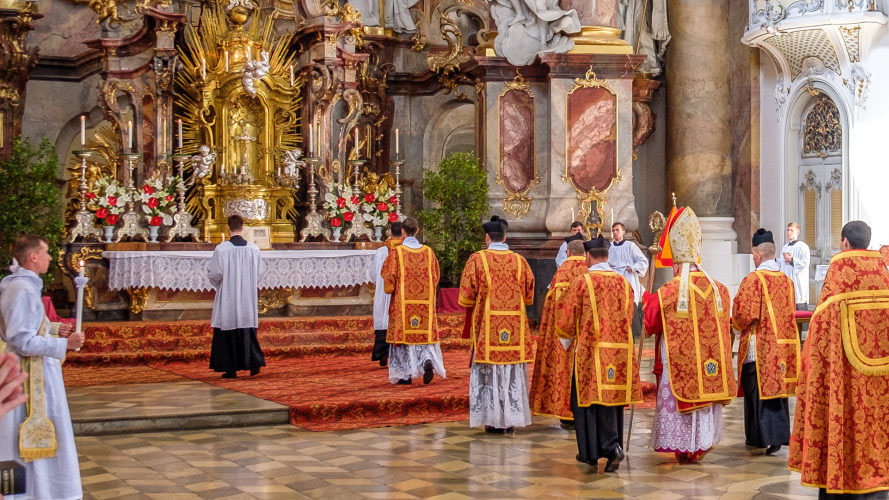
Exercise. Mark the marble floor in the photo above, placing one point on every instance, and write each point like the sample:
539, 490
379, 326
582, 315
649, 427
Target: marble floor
443, 461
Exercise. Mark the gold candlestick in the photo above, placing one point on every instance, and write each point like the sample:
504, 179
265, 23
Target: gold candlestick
84, 220
182, 227
314, 220
398, 164
358, 228
131, 221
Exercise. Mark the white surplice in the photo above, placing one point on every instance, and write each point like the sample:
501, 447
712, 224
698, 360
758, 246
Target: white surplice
234, 272
624, 254
562, 256
381, 298
797, 269
56, 478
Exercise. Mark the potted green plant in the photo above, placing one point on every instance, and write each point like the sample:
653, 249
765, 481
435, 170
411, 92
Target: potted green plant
457, 195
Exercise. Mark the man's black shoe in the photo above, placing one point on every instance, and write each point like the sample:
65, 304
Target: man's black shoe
615, 459
773, 449
405, 381
428, 373
230, 375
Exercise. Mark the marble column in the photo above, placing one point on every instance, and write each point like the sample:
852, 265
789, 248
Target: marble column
699, 131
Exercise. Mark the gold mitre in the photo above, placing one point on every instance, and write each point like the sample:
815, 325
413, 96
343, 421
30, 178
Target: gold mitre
686, 238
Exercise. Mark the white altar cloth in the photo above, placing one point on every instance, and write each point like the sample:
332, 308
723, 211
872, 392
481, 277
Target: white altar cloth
187, 270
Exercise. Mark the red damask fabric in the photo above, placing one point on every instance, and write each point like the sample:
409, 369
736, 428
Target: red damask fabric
764, 307
698, 343
597, 311
550, 392
840, 440
411, 276
498, 284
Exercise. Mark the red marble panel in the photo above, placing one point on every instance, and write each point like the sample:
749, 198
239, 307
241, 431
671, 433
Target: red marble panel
592, 138
516, 140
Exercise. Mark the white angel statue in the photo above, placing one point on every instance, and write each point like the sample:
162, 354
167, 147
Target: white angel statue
247, 4
255, 69
202, 163
292, 162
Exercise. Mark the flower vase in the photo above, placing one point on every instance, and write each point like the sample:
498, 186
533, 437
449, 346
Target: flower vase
378, 233
109, 233
152, 233
337, 231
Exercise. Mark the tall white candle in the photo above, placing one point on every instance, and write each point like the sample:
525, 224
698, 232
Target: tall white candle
311, 141
612, 216
79, 324
203, 68
179, 123
249, 52
164, 136
226, 61
396, 142
356, 142
130, 133
82, 130
292, 79
572, 214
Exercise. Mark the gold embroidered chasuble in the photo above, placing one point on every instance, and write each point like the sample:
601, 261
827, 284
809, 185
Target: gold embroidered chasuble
411, 276
550, 392
840, 440
498, 284
764, 308
698, 343
597, 312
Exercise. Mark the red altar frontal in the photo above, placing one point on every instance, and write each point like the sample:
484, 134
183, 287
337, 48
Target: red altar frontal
169, 281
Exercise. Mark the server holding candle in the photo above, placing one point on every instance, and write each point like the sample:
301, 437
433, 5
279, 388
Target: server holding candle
52, 470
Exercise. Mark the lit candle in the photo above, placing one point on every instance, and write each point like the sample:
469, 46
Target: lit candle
396, 143
572, 214
203, 68
226, 61
130, 133
179, 123
612, 216
79, 324
249, 52
356, 141
292, 79
311, 141
82, 130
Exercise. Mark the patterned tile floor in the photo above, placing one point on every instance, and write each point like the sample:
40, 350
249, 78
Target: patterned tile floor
445, 461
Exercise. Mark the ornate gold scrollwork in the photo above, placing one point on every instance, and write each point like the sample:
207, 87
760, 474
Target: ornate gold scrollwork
593, 200
448, 66
518, 203
138, 299
274, 298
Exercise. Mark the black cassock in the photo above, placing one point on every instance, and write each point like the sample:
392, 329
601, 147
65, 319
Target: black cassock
599, 429
766, 422
381, 347
234, 350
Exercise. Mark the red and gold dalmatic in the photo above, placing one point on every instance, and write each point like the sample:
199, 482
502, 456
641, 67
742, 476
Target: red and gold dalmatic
764, 307
597, 311
498, 284
411, 276
698, 343
550, 392
840, 439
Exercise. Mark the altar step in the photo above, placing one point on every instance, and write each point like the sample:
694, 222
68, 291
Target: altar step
145, 342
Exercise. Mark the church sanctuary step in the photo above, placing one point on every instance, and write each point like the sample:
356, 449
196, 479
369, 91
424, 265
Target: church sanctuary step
141, 342
123, 409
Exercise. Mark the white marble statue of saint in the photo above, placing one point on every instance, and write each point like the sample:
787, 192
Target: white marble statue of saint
646, 31
526, 28
398, 17
255, 69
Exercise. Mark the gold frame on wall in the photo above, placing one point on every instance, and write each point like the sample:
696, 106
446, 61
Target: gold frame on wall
586, 199
517, 203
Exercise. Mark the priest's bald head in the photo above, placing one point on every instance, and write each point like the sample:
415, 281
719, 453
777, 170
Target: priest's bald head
855, 236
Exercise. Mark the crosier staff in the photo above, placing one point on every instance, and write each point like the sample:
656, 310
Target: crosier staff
656, 223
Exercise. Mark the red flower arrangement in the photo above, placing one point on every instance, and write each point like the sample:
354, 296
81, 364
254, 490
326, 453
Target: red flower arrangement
336, 222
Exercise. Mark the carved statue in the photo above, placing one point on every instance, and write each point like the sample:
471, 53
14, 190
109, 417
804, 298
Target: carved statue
374, 183
255, 69
244, 136
246, 4
202, 163
398, 17
292, 162
526, 28
642, 29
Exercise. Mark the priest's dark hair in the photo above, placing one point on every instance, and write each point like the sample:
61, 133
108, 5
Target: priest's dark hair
857, 233
25, 245
410, 226
621, 224
235, 223
395, 229
576, 223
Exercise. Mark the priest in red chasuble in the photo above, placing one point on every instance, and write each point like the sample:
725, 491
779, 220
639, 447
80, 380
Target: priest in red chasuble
497, 284
551, 383
840, 440
410, 274
596, 316
690, 316
768, 353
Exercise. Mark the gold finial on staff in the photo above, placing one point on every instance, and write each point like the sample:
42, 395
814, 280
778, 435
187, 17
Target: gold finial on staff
674, 198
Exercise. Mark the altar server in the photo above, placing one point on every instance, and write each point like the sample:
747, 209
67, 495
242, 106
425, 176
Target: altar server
234, 271
497, 284
410, 274
576, 234
550, 393
794, 261
840, 440
38, 434
595, 315
768, 352
693, 349
627, 260
381, 298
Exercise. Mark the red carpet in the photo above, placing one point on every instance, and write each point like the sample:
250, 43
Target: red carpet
84, 376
